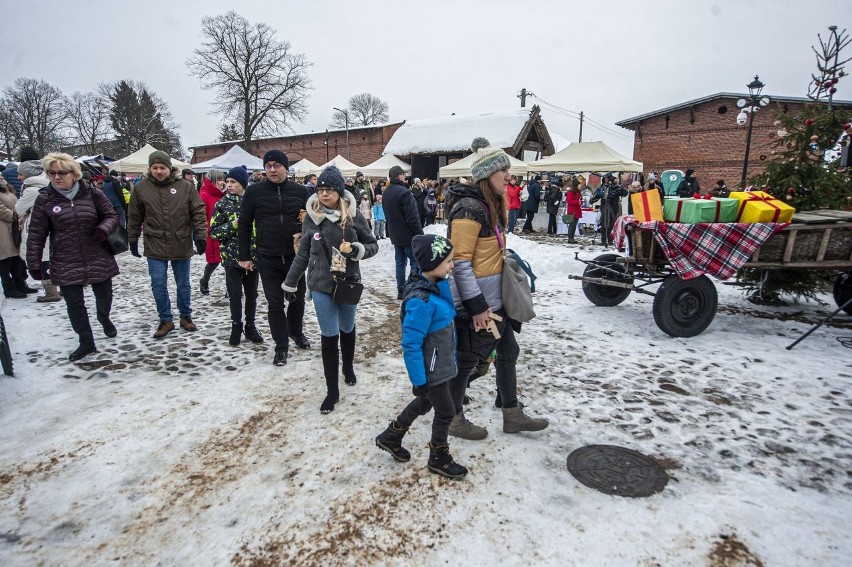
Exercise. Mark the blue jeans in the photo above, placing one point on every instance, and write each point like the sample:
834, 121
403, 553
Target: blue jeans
333, 318
158, 270
403, 252
513, 218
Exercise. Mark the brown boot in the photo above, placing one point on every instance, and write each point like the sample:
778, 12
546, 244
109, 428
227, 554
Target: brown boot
51, 293
164, 329
187, 325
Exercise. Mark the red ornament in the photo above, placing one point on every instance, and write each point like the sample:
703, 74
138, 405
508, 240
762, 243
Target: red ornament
847, 126
809, 122
832, 90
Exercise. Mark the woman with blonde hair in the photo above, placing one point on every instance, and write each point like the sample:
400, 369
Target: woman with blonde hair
335, 237
77, 219
477, 229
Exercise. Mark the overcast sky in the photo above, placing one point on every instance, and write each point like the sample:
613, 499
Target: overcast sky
612, 59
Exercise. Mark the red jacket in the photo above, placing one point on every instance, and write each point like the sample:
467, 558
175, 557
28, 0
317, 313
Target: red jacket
572, 202
210, 194
513, 197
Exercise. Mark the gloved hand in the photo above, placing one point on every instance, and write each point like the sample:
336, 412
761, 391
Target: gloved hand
99, 236
419, 391
352, 254
37, 275
200, 245
134, 249
290, 296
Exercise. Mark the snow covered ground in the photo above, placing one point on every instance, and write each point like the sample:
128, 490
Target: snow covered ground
186, 451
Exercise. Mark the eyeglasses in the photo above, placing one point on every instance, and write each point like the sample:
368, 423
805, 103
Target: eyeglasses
58, 173
326, 190
273, 165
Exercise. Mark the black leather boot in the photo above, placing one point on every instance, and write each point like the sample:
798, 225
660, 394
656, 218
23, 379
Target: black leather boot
236, 333
330, 366
347, 353
252, 334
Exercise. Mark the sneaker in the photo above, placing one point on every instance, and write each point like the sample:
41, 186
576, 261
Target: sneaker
164, 329
464, 429
82, 351
280, 358
302, 341
187, 325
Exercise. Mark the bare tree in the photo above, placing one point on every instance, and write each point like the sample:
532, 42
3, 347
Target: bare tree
364, 109
10, 135
262, 85
88, 116
37, 111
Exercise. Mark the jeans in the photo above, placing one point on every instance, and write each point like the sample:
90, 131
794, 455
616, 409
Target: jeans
403, 252
528, 227
75, 303
238, 280
513, 218
439, 398
334, 318
572, 228
379, 229
158, 270
273, 271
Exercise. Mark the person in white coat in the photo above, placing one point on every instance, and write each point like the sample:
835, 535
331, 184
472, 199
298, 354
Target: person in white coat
33, 179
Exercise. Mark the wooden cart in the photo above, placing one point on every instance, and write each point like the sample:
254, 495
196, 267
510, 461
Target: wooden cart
684, 308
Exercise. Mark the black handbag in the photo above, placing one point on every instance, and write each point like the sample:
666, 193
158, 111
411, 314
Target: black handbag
116, 241
347, 288
16, 230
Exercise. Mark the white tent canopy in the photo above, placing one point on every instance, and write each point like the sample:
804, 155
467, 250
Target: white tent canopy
346, 167
137, 162
302, 167
586, 156
234, 157
381, 167
461, 168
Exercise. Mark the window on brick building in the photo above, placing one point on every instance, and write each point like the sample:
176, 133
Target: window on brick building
722, 109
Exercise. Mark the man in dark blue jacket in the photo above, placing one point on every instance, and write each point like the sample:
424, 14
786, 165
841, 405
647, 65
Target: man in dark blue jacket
530, 206
272, 210
402, 220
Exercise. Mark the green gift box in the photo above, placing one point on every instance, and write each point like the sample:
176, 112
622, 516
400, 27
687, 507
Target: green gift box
691, 211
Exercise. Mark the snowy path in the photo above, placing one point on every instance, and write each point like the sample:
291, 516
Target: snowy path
186, 451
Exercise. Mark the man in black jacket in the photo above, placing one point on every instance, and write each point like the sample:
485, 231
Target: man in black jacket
402, 221
688, 186
272, 208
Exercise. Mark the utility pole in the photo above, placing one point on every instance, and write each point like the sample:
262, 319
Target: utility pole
523, 96
581, 127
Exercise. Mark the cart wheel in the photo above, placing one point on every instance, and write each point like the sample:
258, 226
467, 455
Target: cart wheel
684, 308
5, 351
605, 295
843, 290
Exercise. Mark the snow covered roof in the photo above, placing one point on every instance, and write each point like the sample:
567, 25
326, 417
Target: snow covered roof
455, 133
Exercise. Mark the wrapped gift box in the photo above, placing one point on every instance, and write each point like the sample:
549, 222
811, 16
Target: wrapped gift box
647, 206
757, 206
691, 211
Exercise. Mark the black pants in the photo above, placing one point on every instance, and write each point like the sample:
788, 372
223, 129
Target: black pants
572, 228
528, 224
237, 281
75, 302
551, 223
273, 271
437, 398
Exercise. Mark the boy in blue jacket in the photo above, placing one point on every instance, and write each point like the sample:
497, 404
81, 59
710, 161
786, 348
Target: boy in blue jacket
429, 351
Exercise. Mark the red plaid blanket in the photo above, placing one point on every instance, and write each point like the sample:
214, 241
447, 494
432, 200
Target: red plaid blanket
717, 249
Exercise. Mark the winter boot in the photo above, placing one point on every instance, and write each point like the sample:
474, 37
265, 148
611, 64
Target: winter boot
515, 420
390, 440
109, 328
252, 334
236, 333
464, 429
347, 353
498, 401
10, 291
442, 463
204, 286
51, 293
330, 366
82, 350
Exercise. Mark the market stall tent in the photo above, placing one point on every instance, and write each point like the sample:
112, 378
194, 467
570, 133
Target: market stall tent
346, 167
137, 162
461, 168
586, 156
302, 167
381, 166
234, 157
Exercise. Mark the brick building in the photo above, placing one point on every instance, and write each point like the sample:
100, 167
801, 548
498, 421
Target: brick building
366, 144
703, 134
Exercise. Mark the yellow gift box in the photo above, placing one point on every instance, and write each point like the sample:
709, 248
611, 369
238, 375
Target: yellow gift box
647, 205
757, 206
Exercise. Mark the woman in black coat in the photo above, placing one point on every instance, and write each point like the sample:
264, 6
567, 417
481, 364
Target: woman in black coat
552, 200
77, 220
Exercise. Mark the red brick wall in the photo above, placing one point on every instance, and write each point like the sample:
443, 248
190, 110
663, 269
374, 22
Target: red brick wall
707, 140
365, 146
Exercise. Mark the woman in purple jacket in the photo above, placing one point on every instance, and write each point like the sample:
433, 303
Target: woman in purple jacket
77, 219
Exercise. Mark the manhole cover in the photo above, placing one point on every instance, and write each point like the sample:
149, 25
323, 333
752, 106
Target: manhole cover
616, 470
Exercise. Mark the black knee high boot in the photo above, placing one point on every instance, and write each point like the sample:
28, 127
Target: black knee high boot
330, 366
347, 353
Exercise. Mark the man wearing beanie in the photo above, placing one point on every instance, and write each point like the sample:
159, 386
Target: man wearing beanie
173, 216
273, 209
402, 221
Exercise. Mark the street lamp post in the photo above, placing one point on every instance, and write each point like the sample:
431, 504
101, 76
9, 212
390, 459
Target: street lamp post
749, 107
346, 118
325, 143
